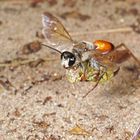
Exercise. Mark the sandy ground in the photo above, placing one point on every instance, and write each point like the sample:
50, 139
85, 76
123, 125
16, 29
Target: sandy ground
36, 100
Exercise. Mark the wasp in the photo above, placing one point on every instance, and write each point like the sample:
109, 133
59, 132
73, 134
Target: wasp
89, 61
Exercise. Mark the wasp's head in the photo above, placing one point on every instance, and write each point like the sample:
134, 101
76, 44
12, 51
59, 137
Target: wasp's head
67, 59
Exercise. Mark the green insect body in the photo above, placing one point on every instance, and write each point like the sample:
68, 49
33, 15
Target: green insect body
91, 74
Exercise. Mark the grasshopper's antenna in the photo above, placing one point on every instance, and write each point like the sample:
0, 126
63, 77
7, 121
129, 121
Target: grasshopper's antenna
51, 48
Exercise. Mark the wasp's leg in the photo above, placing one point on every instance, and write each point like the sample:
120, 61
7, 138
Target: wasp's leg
116, 70
122, 45
98, 80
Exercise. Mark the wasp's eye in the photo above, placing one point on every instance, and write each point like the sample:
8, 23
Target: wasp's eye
68, 59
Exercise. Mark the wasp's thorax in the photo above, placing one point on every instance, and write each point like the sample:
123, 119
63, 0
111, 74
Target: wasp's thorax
80, 53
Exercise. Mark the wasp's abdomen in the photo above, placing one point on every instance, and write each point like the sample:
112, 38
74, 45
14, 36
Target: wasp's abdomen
103, 46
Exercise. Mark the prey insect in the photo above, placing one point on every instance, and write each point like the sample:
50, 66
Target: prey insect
84, 61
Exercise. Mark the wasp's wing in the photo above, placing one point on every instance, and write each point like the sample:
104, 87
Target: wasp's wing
103, 60
55, 33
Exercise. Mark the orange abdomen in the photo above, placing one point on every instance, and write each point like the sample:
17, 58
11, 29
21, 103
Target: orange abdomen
103, 46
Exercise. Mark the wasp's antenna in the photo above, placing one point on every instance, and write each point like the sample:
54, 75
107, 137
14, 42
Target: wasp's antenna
52, 48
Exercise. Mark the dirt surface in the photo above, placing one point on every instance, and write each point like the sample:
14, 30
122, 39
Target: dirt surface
37, 102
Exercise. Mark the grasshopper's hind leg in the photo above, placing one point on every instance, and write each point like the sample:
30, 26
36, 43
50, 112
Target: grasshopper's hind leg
97, 82
102, 70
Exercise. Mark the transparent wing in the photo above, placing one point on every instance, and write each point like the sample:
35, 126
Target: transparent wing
55, 33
